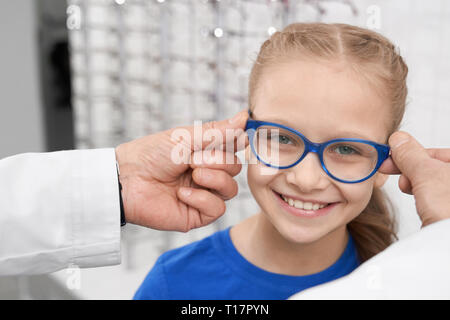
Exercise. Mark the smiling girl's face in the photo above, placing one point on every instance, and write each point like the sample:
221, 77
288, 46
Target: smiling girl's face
323, 100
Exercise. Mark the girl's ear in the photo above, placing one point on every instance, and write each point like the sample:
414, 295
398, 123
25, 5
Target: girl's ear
380, 179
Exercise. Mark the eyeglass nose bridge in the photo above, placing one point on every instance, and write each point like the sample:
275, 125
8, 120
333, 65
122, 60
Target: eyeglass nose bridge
312, 147
317, 148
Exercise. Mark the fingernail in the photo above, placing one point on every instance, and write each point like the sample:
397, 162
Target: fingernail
186, 191
398, 139
235, 118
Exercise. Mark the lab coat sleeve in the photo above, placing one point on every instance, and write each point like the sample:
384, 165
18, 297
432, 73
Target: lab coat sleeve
59, 209
415, 267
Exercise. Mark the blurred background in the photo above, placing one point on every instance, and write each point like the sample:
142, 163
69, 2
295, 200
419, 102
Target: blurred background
95, 73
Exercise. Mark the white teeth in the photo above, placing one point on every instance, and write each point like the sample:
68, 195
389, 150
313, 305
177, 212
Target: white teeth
303, 205
298, 204
307, 206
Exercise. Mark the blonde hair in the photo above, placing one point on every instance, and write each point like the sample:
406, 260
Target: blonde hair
378, 61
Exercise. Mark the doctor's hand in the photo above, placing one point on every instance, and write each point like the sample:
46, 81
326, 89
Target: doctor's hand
425, 173
162, 194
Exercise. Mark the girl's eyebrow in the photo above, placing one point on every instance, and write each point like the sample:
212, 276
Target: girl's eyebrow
335, 135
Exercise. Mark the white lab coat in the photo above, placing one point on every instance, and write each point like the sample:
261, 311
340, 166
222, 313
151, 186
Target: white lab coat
58, 209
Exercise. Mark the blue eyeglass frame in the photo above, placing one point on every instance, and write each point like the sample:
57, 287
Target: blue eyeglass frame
383, 150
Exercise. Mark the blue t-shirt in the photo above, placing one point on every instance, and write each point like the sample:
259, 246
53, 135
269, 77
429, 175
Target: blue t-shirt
213, 269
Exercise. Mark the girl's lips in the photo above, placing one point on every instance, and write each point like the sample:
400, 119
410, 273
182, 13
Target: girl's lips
303, 213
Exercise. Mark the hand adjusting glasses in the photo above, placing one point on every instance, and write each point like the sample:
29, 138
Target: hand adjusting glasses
345, 160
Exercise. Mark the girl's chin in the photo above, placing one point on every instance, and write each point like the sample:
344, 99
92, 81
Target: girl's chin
302, 238
298, 234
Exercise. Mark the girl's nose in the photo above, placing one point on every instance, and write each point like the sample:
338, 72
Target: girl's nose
308, 174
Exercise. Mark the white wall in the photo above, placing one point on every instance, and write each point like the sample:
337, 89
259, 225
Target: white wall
21, 128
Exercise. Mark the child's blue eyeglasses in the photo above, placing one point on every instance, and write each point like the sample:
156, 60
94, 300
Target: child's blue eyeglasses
345, 160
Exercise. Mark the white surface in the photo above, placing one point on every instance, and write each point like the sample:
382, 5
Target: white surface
416, 267
106, 283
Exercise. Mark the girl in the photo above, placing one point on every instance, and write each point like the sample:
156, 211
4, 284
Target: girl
322, 210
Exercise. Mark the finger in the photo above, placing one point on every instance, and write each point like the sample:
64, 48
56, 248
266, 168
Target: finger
404, 184
214, 134
208, 206
231, 129
408, 154
389, 167
442, 154
217, 180
225, 161
239, 143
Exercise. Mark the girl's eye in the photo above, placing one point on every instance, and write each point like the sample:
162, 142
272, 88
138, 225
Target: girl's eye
283, 139
345, 150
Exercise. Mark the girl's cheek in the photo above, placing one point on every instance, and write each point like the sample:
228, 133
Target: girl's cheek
255, 177
257, 172
357, 196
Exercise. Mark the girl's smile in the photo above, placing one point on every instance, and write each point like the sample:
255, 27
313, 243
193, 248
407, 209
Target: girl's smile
306, 208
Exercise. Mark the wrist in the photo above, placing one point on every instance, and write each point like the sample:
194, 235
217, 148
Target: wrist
126, 173
122, 208
120, 164
119, 158
124, 158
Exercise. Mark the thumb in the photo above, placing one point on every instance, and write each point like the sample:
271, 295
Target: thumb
408, 154
216, 133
